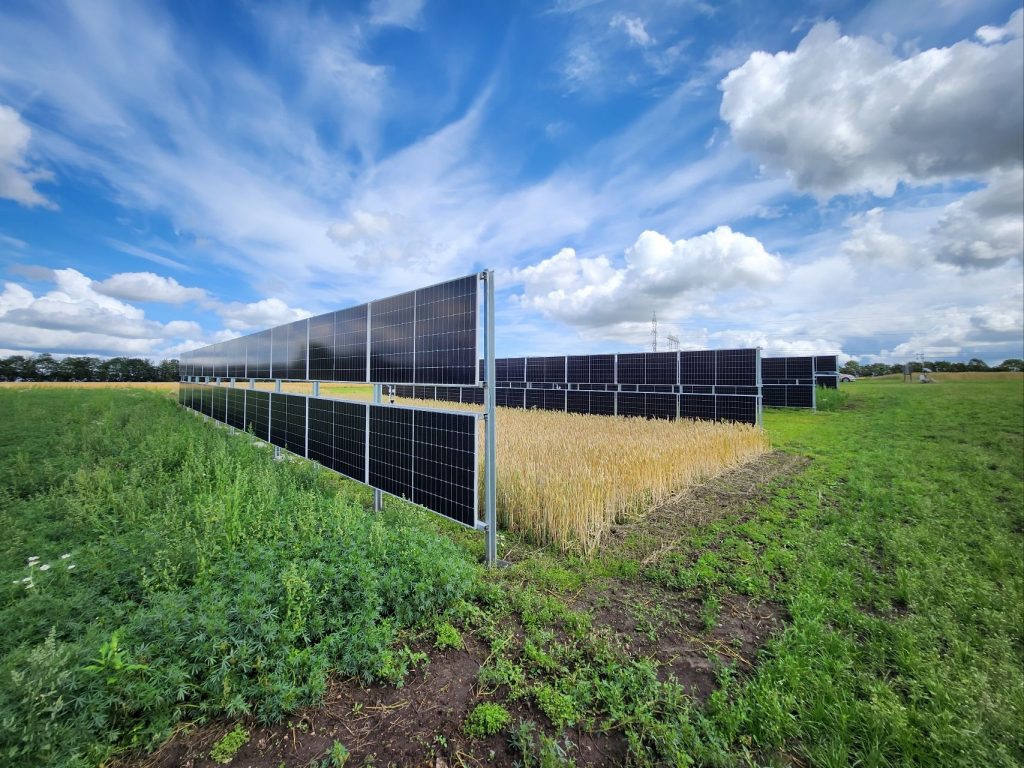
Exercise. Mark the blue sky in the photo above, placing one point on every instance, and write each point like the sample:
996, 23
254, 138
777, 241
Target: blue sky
808, 177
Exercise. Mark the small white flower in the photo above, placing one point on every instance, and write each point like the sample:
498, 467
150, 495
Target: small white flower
30, 586
26, 580
71, 566
32, 560
15, 582
44, 567
65, 556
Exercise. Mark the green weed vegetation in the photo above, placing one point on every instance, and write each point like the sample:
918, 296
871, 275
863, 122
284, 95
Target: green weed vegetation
211, 581
202, 578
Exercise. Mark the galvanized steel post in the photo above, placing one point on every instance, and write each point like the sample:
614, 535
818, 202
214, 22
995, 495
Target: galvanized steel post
490, 426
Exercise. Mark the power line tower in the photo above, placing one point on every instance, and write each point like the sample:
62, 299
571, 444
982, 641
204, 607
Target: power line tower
673, 342
654, 332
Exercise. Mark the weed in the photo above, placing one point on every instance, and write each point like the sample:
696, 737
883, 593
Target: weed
446, 636
486, 720
224, 750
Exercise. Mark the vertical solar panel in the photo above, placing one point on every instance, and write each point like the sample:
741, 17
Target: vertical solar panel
660, 406
279, 352
218, 406
800, 368
827, 381
235, 415
257, 413
445, 333
516, 368
633, 369
697, 407
288, 422
321, 347
735, 408
632, 404
774, 395
337, 436
392, 339
297, 334
236, 358
391, 450
661, 368
554, 399
736, 367
350, 344
444, 468
258, 354
773, 368
697, 368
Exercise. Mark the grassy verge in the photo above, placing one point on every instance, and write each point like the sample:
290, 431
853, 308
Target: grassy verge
181, 574
211, 581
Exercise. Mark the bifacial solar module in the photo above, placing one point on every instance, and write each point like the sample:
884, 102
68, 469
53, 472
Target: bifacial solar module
827, 381
444, 467
350, 359
736, 367
235, 415
337, 436
697, 407
697, 368
445, 335
258, 347
800, 368
257, 413
391, 450
321, 348
393, 338
288, 422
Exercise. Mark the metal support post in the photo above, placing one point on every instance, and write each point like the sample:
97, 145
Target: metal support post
760, 391
490, 425
316, 389
378, 497
277, 385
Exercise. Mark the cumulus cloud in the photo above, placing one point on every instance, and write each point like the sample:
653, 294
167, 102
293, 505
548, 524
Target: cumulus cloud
76, 318
399, 13
1013, 29
238, 316
147, 286
657, 274
984, 228
17, 176
844, 114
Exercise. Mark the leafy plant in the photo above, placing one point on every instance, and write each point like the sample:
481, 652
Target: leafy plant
446, 636
224, 750
486, 720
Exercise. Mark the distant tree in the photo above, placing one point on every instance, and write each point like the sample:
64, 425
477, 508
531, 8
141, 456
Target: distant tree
167, 370
11, 367
77, 369
976, 364
1011, 364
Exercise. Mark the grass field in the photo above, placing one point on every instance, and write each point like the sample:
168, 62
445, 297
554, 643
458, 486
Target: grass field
212, 585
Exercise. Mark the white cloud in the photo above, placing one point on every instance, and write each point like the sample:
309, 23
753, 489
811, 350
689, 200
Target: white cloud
634, 29
399, 13
1014, 29
146, 286
657, 275
984, 228
361, 226
259, 314
17, 176
845, 115
75, 318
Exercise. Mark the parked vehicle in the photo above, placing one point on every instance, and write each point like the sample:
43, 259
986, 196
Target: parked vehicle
847, 377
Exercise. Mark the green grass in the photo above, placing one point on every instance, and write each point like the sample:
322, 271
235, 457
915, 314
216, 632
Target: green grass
211, 581
208, 580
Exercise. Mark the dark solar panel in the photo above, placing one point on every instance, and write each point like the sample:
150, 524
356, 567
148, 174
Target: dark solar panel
258, 352
697, 369
218, 406
633, 369
391, 450
774, 395
554, 400
800, 368
350, 344
236, 408
800, 396
444, 468
658, 406
321, 347
337, 436
773, 368
510, 398
392, 339
826, 363
288, 422
257, 413
697, 407
829, 382
516, 368
445, 337
297, 339
736, 367
742, 409
632, 404
236, 358
554, 369
661, 368
578, 369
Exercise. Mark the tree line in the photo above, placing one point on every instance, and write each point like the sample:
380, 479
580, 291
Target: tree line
46, 367
938, 366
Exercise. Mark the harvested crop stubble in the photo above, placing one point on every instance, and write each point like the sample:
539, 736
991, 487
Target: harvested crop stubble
566, 478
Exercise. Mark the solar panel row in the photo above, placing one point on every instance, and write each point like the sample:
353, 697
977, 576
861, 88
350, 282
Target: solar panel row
423, 336
789, 382
426, 456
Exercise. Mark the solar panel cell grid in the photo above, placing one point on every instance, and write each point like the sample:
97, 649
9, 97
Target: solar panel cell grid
697, 368
446, 332
350, 344
392, 339
391, 450
444, 468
